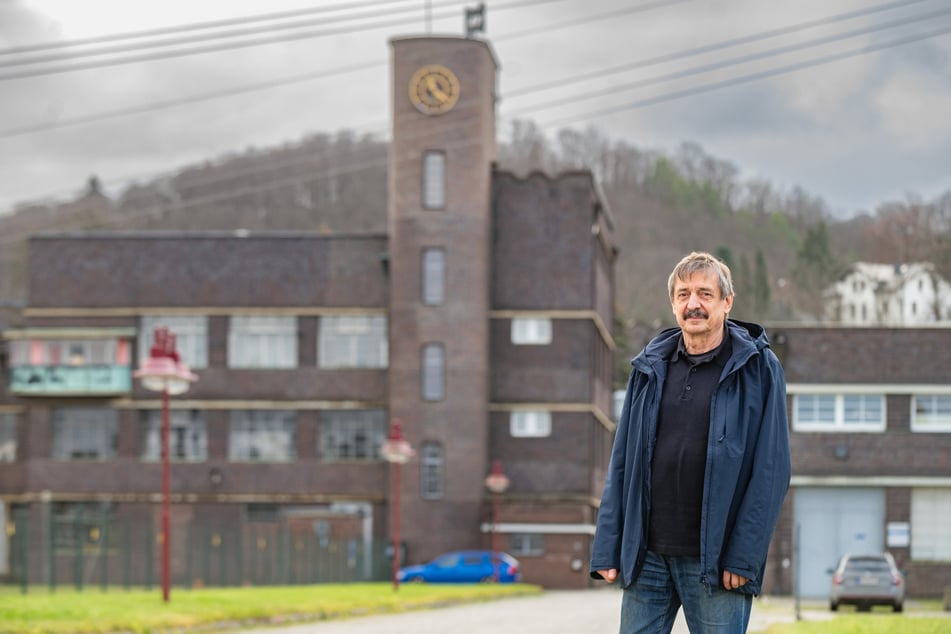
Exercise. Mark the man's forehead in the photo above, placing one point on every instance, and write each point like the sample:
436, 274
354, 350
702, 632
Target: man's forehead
698, 279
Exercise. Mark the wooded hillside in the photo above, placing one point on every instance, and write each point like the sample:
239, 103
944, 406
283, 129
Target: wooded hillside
783, 246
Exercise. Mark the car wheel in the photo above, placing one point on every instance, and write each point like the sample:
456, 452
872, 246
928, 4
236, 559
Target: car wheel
833, 606
898, 607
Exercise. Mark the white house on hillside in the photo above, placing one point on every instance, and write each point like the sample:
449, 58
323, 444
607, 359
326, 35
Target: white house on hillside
889, 295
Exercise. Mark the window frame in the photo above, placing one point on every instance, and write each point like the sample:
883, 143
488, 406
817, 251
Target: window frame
432, 372
83, 421
433, 177
191, 336
940, 426
432, 471
838, 423
282, 422
8, 437
433, 276
192, 420
531, 331
335, 424
530, 423
268, 331
355, 335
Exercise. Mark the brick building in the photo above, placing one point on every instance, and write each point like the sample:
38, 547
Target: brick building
482, 320
870, 426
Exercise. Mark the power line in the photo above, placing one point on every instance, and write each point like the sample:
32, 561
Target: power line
194, 26
709, 48
250, 42
203, 37
689, 92
733, 61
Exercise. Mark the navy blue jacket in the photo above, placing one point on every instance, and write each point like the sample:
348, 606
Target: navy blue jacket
747, 472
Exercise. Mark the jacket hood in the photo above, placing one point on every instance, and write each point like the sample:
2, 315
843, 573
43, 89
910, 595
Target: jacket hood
745, 334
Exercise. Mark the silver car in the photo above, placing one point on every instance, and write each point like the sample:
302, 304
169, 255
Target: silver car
867, 580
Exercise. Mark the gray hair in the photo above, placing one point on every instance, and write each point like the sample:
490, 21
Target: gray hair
700, 261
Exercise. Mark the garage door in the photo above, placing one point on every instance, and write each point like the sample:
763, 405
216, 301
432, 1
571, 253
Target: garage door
832, 522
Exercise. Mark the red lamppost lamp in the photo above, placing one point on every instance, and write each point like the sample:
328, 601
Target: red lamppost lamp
496, 482
397, 451
164, 372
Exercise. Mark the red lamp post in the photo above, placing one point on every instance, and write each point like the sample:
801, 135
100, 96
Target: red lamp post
164, 372
397, 451
496, 482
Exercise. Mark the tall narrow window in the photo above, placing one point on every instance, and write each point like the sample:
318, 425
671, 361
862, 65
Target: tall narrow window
434, 180
434, 357
434, 276
431, 473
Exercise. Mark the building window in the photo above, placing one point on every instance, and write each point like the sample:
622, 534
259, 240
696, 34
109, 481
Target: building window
526, 544
64, 352
352, 341
351, 434
839, 412
262, 436
434, 276
433, 380
530, 424
431, 471
257, 341
191, 337
434, 180
187, 435
931, 412
531, 331
84, 433
930, 518
8, 438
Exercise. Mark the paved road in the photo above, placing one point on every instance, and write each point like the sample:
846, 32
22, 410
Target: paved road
554, 612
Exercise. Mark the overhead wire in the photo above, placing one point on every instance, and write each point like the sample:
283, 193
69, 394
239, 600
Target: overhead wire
245, 43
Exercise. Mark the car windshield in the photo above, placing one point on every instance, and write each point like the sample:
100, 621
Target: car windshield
867, 565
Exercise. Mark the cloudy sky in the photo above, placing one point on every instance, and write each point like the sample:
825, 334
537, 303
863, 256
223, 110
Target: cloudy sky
848, 99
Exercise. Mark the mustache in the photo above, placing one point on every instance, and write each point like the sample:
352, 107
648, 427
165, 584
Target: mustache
695, 313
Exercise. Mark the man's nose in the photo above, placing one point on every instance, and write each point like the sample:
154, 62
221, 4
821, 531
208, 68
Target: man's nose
693, 301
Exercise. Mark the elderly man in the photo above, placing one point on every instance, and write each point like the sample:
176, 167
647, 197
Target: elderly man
700, 465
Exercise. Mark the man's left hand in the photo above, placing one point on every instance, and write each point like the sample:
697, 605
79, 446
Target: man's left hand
732, 581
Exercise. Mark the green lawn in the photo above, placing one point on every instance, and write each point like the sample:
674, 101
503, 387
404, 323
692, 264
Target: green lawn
867, 624
117, 610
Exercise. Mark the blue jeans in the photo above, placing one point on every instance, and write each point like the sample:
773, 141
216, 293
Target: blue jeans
665, 583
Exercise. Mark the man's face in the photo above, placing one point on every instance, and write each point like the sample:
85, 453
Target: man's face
697, 304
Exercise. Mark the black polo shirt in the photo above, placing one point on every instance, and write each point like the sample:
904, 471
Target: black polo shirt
680, 452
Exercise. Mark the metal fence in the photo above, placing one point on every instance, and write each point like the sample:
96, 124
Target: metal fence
101, 550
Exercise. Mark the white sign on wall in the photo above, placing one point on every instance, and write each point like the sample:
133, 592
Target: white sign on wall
898, 534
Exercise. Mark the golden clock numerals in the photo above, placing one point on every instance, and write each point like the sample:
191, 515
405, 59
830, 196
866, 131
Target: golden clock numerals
434, 89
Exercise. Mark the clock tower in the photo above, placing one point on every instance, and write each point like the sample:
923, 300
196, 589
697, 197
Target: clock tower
439, 216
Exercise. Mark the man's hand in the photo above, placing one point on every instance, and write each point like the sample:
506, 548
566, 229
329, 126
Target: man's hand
732, 581
608, 575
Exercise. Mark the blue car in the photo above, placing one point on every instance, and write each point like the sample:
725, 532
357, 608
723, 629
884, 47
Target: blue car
465, 566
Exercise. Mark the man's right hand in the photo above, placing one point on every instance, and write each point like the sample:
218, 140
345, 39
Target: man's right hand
608, 575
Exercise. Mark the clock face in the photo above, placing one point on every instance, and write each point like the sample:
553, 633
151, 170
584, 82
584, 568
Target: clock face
434, 89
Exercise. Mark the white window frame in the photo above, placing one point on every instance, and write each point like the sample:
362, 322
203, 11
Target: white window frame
940, 424
530, 423
191, 337
526, 544
434, 179
838, 423
930, 517
531, 331
94, 428
262, 342
352, 341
